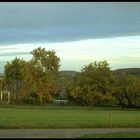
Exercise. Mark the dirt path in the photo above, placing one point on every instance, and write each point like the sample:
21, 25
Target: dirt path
58, 133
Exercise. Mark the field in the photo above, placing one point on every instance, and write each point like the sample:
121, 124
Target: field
52, 116
114, 135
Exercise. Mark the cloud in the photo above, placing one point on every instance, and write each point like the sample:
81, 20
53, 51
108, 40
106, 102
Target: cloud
23, 22
120, 52
14, 54
6, 48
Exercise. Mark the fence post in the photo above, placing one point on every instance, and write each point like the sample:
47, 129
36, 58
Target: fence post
1, 95
8, 97
110, 122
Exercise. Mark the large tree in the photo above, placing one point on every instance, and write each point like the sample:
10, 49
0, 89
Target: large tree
127, 90
93, 84
42, 73
13, 77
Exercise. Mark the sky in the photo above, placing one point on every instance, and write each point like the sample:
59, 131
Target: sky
79, 32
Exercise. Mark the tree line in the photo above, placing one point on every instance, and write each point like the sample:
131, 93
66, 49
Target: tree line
38, 81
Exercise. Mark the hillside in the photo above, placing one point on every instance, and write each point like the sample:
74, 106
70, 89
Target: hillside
68, 73
131, 71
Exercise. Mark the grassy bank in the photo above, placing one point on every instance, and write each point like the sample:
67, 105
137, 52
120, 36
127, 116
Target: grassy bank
52, 116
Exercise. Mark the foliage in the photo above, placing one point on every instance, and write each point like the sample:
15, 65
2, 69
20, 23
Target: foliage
13, 77
127, 90
93, 83
39, 81
41, 74
38, 75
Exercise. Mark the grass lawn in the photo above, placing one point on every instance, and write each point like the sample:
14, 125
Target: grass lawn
52, 116
114, 135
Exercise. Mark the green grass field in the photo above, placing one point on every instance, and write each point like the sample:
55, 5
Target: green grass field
52, 116
114, 135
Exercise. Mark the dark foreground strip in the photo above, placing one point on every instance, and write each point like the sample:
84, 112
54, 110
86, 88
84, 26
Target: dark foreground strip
59, 133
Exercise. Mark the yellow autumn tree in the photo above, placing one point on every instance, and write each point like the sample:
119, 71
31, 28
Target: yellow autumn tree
41, 74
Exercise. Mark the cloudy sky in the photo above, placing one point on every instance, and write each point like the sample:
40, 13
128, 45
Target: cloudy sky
79, 32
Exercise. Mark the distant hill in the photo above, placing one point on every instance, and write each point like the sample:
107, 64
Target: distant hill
131, 71
68, 73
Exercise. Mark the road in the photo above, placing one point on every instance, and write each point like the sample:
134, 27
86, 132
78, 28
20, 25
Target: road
59, 133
